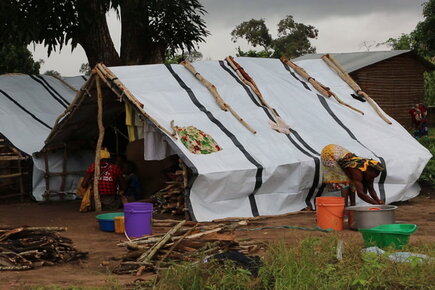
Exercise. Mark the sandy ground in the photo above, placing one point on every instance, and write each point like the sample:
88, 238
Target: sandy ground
84, 231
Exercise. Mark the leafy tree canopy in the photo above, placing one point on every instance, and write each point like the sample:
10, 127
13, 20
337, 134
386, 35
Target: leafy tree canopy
17, 59
293, 38
148, 28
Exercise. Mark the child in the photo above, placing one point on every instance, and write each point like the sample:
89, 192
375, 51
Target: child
134, 188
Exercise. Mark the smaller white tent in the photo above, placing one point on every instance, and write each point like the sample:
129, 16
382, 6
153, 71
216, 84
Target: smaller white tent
29, 107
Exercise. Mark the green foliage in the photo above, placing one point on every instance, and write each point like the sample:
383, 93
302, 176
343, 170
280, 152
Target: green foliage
428, 174
190, 57
404, 41
309, 264
292, 41
153, 27
85, 69
53, 73
425, 31
17, 59
429, 88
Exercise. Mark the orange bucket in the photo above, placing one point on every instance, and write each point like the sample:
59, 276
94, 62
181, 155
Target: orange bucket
330, 212
119, 224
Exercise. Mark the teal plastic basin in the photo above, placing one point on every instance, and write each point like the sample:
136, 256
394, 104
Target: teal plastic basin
396, 235
107, 221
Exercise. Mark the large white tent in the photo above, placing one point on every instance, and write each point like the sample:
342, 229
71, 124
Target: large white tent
29, 107
266, 173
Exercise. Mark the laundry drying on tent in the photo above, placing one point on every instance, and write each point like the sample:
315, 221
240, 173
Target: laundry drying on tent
271, 123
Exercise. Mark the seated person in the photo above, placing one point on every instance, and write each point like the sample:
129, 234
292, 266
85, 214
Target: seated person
343, 170
133, 190
110, 183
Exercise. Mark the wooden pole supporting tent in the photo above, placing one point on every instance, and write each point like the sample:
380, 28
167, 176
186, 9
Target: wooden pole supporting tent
332, 63
322, 89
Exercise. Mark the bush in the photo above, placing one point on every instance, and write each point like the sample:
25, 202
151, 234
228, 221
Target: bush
428, 174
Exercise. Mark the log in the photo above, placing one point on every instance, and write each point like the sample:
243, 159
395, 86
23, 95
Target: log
146, 257
98, 148
246, 79
322, 89
333, 64
212, 88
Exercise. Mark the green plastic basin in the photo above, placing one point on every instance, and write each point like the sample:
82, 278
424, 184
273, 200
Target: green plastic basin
107, 221
396, 235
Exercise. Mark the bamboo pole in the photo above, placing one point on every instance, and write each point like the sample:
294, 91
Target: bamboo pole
322, 89
99, 143
212, 88
247, 80
106, 75
332, 63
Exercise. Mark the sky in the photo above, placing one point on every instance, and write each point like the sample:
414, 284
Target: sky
344, 26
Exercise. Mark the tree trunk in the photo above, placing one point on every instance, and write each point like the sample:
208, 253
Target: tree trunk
136, 45
94, 34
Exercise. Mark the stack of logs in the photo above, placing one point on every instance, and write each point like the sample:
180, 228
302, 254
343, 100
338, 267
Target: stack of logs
170, 199
184, 241
24, 248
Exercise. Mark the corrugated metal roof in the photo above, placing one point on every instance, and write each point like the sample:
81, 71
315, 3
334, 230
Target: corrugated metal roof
352, 61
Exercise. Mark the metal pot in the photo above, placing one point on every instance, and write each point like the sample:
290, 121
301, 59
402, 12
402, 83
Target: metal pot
365, 217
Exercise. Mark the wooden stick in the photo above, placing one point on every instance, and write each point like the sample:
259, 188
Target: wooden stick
332, 63
174, 246
98, 149
322, 89
212, 88
247, 80
107, 76
147, 256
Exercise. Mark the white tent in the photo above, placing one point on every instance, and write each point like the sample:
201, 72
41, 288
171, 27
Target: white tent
266, 173
29, 106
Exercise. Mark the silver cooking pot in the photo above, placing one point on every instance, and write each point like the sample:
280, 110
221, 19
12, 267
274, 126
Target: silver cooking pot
365, 217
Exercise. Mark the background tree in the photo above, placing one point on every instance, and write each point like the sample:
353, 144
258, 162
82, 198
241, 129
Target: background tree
17, 59
422, 41
190, 57
53, 73
149, 29
293, 38
85, 69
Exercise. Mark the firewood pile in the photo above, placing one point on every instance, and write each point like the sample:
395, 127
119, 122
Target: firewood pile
170, 199
184, 241
24, 248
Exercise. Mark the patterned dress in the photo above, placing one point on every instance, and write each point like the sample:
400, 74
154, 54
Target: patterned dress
333, 175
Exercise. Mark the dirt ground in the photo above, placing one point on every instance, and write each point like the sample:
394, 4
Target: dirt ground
84, 231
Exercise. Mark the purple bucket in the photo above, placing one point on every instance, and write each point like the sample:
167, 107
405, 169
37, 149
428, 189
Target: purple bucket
137, 216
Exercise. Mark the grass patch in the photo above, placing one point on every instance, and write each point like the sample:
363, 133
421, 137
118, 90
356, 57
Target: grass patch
310, 264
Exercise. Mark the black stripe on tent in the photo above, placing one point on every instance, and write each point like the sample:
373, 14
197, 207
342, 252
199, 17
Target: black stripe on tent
258, 177
48, 90
266, 110
83, 77
339, 122
56, 92
24, 109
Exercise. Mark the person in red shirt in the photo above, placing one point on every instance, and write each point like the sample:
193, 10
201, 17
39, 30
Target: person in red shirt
423, 124
416, 118
110, 183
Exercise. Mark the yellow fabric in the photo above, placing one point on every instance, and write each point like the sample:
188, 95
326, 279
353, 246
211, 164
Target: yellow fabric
80, 191
86, 206
332, 172
104, 153
134, 125
360, 163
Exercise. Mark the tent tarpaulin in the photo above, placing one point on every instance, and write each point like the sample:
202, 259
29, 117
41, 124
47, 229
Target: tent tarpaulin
266, 173
29, 106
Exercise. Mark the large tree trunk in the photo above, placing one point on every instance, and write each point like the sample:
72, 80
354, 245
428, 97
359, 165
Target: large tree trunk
94, 35
136, 45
